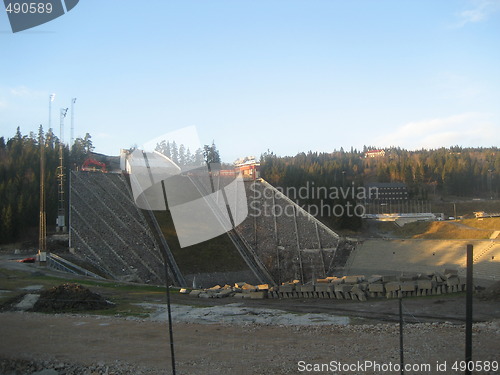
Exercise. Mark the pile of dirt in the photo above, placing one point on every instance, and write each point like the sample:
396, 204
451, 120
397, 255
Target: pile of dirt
491, 293
70, 297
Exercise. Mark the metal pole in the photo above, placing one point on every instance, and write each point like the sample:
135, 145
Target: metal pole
169, 314
401, 351
42, 239
167, 282
51, 99
72, 140
468, 309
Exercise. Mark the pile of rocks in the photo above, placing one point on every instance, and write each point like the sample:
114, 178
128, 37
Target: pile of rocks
357, 287
70, 297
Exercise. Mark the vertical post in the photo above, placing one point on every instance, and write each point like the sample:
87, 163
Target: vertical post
401, 351
42, 238
468, 309
72, 139
69, 214
61, 212
167, 281
169, 314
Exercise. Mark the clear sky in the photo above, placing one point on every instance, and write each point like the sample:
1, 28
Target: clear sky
284, 75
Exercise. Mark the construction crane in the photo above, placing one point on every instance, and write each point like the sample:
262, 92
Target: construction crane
61, 211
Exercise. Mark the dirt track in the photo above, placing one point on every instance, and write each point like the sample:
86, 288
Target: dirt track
233, 349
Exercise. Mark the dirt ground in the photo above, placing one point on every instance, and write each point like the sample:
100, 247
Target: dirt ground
241, 339
237, 349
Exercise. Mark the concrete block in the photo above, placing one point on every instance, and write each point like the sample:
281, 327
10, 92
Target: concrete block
424, 284
325, 287
363, 285
343, 288
338, 295
355, 288
195, 292
249, 287
362, 296
353, 279
407, 286
438, 277
258, 295
392, 286
377, 287
307, 288
238, 295
224, 293
453, 281
287, 288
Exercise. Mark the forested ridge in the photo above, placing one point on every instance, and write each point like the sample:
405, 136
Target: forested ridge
429, 174
20, 179
455, 171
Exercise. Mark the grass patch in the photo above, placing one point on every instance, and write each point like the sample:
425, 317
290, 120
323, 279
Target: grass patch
215, 255
125, 296
487, 223
444, 230
438, 230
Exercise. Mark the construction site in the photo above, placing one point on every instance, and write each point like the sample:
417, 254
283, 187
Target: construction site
271, 286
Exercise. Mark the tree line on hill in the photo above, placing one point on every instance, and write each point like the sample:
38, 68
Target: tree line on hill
20, 176
444, 172
455, 171
183, 157
20, 179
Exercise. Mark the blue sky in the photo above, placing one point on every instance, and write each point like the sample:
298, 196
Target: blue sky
253, 75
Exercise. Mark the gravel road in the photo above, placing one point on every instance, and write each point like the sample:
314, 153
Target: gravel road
80, 344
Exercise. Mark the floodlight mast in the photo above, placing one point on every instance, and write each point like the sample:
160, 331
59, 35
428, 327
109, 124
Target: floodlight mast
72, 139
51, 99
61, 211
42, 237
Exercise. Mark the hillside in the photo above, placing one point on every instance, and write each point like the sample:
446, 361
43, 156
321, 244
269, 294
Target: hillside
460, 229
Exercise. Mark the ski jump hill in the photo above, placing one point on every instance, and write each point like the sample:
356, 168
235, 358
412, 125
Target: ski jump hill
108, 231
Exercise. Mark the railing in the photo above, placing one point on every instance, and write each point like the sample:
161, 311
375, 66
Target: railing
60, 264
